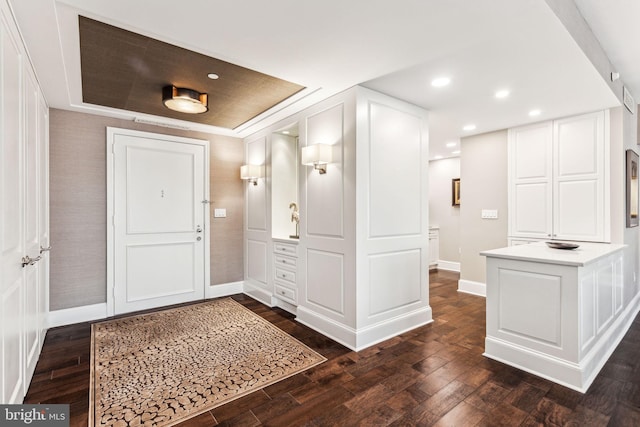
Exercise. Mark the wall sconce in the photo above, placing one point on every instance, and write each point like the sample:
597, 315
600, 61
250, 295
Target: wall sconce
184, 100
318, 156
251, 173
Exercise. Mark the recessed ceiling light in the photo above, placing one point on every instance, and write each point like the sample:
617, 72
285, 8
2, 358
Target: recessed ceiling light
451, 144
440, 81
469, 127
437, 157
534, 113
213, 76
286, 132
503, 93
455, 152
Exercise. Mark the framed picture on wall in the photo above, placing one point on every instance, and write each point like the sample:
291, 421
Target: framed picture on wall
455, 192
632, 189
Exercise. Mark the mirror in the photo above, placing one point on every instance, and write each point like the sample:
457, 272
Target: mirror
284, 183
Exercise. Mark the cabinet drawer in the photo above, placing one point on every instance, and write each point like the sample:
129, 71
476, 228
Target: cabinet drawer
285, 261
286, 275
286, 293
285, 248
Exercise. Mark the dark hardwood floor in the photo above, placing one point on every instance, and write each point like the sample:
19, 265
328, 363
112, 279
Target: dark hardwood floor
433, 375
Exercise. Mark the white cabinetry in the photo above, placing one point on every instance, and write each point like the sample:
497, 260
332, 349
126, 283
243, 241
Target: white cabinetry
434, 247
24, 235
558, 179
285, 257
554, 313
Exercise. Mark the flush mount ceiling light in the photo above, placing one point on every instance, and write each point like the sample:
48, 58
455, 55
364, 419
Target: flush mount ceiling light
469, 127
184, 100
503, 93
451, 144
534, 113
440, 82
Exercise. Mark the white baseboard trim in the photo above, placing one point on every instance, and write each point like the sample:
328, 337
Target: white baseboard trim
88, 313
574, 376
389, 328
448, 265
338, 332
362, 338
471, 287
69, 316
258, 293
286, 306
223, 290
607, 343
548, 367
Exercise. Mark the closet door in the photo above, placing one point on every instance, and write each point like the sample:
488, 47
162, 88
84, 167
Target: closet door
530, 181
581, 179
31, 233
11, 218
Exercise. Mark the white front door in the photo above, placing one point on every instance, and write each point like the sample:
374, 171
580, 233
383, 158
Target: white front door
160, 247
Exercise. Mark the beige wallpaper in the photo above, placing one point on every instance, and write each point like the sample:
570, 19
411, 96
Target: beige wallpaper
78, 205
483, 185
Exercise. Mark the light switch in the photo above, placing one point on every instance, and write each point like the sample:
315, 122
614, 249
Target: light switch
219, 213
489, 214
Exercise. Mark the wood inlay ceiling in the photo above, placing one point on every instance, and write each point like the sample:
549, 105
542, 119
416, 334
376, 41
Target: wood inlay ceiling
125, 70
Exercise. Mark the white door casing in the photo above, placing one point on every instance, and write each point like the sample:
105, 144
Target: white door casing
158, 225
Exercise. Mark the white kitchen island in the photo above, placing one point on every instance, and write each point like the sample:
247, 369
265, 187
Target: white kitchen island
555, 313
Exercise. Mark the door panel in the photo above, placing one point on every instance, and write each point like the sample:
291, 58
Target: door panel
150, 190
32, 235
159, 221
530, 181
580, 210
168, 267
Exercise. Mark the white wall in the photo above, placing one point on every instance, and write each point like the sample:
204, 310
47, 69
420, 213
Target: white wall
441, 212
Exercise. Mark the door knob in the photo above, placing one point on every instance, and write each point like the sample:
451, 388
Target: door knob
198, 229
27, 260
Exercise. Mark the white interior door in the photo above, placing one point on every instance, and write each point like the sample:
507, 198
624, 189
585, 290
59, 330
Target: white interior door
160, 248
12, 247
31, 227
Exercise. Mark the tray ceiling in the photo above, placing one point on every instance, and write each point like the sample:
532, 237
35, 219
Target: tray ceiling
125, 70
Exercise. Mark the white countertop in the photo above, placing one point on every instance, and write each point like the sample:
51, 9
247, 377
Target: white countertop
539, 252
286, 240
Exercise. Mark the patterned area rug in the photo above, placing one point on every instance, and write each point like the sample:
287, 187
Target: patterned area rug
165, 367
